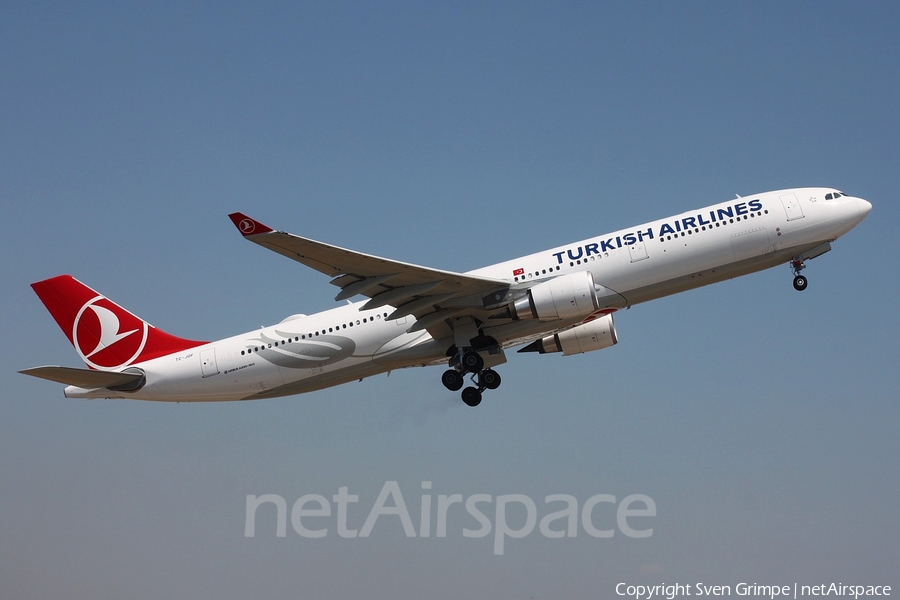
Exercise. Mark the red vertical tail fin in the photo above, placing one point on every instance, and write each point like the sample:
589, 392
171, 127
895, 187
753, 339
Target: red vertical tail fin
105, 335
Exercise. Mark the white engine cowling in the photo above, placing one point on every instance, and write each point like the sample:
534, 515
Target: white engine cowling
565, 297
587, 337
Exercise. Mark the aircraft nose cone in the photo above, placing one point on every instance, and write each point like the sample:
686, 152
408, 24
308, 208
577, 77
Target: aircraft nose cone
863, 206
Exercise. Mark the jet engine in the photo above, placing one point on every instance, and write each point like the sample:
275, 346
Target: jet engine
564, 297
593, 335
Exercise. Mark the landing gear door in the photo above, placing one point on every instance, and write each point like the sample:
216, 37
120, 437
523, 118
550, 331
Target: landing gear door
208, 362
792, 207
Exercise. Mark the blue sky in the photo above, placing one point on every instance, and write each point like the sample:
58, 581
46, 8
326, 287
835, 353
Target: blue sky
762, 422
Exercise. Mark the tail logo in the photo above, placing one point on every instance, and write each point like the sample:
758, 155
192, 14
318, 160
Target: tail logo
106, 336
247, 226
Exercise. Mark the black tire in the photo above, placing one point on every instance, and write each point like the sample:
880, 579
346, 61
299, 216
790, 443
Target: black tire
472, 362
471, 396
489, 379
800, 283
452, 380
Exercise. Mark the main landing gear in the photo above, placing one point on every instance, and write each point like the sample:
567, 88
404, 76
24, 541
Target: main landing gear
800, 281
470, 362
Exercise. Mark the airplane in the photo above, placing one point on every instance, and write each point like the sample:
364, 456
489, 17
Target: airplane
559, 300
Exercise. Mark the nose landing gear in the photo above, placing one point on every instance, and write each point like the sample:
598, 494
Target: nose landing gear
800, 282
798, 263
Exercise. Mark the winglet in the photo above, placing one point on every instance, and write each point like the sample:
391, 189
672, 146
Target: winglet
248, 226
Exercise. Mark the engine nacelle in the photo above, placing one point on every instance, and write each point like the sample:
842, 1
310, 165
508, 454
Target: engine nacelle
594, 335
564, 297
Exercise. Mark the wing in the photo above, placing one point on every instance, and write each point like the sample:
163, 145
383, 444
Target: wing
431, 295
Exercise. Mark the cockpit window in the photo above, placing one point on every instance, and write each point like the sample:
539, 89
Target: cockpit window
833, 196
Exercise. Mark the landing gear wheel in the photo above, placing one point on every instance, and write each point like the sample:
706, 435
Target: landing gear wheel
471, 396
452, 380
489, 379
800, 283
472, 362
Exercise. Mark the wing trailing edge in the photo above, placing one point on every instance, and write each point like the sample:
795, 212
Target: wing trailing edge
415, 290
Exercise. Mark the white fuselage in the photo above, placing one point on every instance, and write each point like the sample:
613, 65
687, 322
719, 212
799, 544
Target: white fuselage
634, 265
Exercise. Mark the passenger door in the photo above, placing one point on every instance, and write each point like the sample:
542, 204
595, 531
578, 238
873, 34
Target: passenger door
208, 364
792, 207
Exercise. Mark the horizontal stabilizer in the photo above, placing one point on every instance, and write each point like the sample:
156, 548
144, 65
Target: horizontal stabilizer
85, 378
